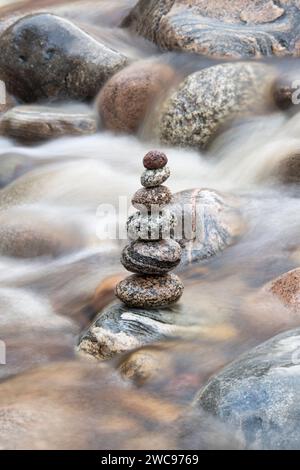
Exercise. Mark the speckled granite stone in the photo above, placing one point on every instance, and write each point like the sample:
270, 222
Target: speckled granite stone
151, 257
154, 160
159, 196
211, 99
159, 225
150, 291
152, 178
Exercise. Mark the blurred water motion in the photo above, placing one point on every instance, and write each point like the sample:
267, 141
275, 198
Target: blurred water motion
50, 195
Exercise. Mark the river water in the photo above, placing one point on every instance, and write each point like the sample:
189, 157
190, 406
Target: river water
56, 191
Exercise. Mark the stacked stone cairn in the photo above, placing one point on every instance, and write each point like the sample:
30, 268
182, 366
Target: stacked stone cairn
152, 252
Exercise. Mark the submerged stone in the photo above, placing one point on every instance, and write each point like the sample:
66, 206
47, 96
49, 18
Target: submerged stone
258, 395
37, 123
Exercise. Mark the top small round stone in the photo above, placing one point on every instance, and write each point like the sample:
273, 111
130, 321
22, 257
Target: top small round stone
155, 160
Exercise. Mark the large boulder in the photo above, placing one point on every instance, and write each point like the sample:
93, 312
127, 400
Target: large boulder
207, 222
223, 28
35, 123
47, 57
258, 395
209, 100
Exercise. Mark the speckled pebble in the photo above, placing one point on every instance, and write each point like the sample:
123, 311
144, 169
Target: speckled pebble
150, 291
155, 160
152, 178
159, 225
159, 196
158, 257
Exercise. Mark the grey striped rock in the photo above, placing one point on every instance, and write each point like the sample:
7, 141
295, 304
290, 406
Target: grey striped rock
236, 28
37, 123
118, 329
152, 178
151, 257
258, 395
155, 226
207, 222
150, 291
211, 99
47, 57
146, 197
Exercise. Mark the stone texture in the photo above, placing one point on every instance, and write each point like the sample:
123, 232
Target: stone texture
227, 28
258, 395
47, 57
288, 170
207, 222
151, 257
146, 197
157, 226
155, 160
36, 123
150, 291
128, 96
119, 329
10, 102
211, 99
152, 178
287, 289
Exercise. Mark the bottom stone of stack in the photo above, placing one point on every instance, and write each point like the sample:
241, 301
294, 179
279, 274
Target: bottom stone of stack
150, 291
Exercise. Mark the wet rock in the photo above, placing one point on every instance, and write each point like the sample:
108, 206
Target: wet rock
47, 57
76, 405
285, 89
150, 291
207, 223
258, 394
125, 100
146, 364
152, 178
159, 196
211, 99
157, 226
219, 29
288, 170
119, 329
36, 123
151, 257
286, 288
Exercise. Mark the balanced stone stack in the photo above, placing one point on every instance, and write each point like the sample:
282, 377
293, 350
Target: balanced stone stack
152, 252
